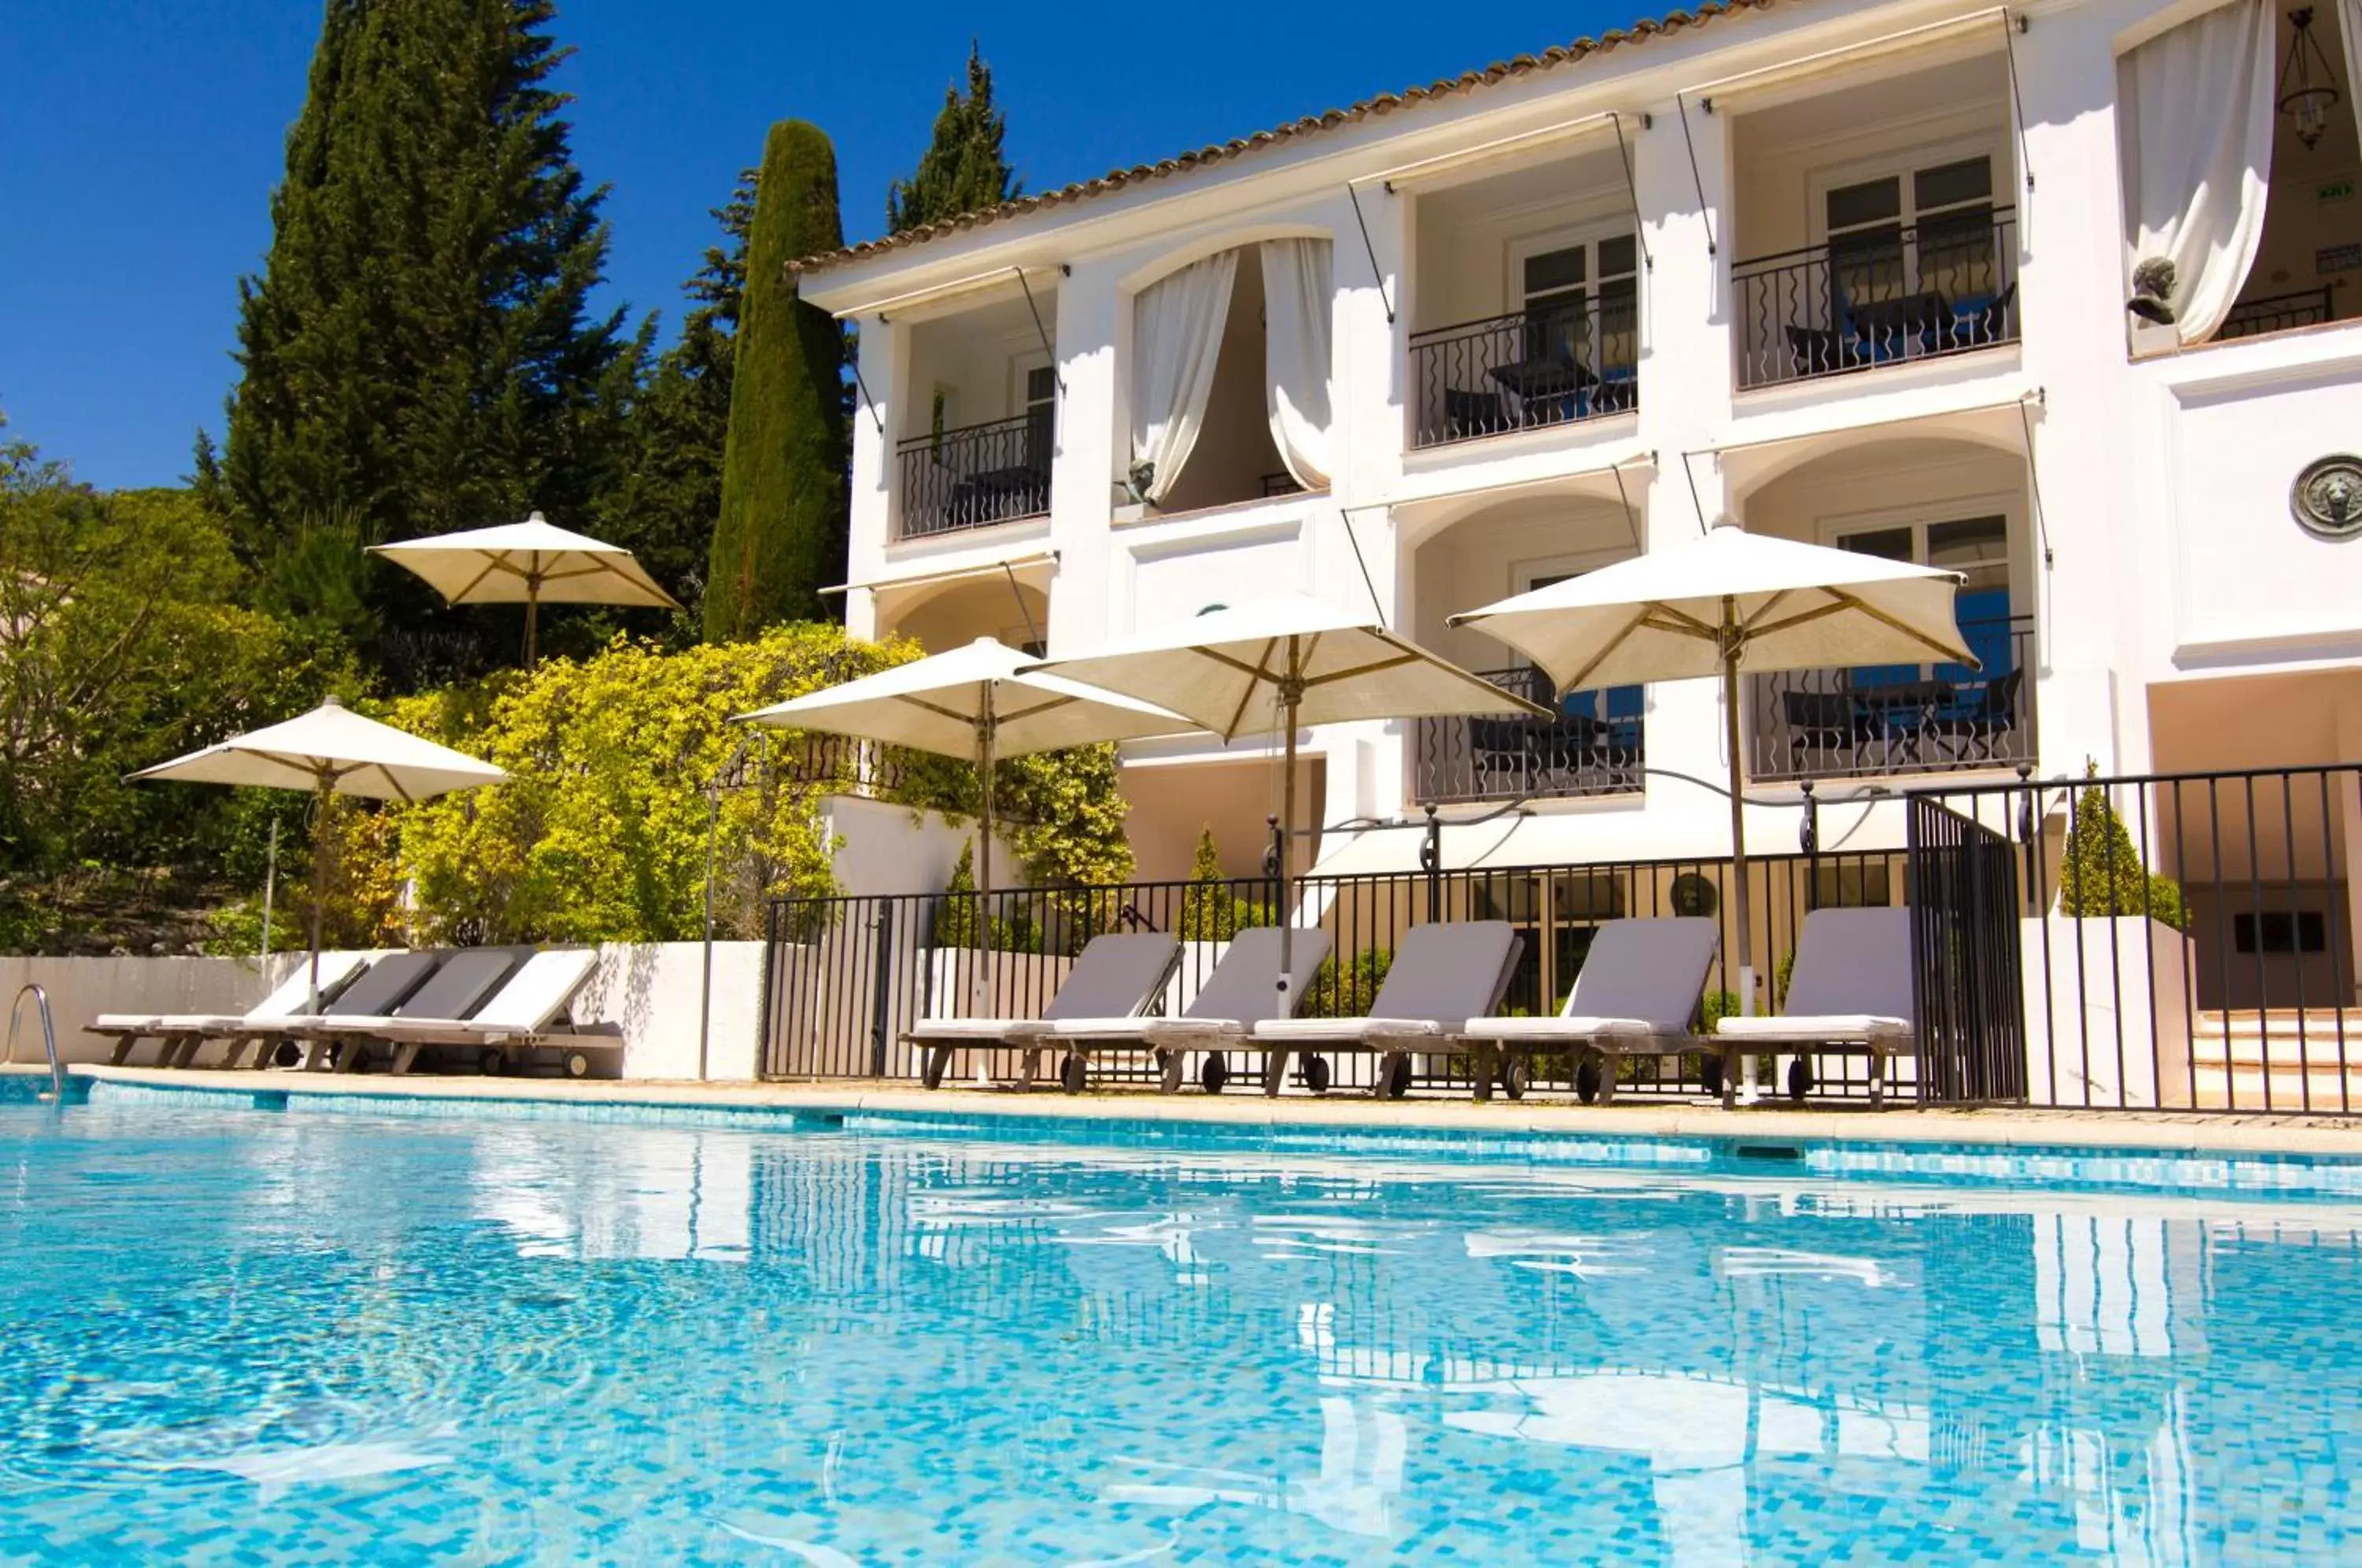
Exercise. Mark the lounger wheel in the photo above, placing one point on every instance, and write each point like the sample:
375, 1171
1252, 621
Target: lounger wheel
1586, 1079
1074, 1073
1799, 1079
1394, 1077
1313, 1073
1214, 1072
1710, 1074
1516, 1072
1168, 1071
578, 1066
490, 1061
286, 1053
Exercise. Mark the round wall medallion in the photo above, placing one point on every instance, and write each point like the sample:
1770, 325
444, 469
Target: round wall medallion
2327, 497
1693, 895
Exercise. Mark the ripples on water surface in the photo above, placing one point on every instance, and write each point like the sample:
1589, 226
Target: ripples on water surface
232, 1335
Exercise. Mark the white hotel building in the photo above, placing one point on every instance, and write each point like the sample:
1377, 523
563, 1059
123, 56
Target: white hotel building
1849, 270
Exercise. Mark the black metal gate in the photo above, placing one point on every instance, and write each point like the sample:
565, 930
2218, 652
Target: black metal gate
1965, 933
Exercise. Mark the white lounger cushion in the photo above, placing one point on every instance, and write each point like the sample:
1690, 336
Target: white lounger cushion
529, 1002
1562, 1028
1815, 1029
1316, 1028
272, 1011
970, 1027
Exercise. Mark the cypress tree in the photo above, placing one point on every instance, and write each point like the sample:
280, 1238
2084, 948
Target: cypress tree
963, 170
663, 509
779, 538
418, 351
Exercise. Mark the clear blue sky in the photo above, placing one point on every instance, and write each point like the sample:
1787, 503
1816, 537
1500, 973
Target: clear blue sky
139, 141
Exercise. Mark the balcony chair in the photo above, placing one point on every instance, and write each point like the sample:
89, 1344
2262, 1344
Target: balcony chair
1981, 321
1979, 727
1469, 413
1827, 721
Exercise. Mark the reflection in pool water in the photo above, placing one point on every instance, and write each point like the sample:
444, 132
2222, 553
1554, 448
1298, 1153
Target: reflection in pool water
303, 1335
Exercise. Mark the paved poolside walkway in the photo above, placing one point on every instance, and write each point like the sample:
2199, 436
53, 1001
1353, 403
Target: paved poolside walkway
2218, 1133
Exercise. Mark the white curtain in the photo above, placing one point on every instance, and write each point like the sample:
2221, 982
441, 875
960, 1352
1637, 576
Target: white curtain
1296, 305
2194, 112
1176, 335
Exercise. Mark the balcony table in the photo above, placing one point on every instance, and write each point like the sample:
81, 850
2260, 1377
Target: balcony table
1884, 329
1906, 711
1553, 377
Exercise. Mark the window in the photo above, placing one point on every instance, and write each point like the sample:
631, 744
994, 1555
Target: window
1041, 411
2282, 931
1557, 289
1978, 548
1952, 253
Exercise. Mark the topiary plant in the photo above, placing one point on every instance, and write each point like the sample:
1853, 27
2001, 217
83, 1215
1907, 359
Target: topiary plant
2101, 875
1210, 912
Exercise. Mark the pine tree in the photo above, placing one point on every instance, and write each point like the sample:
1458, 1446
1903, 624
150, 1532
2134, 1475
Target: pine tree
964, 170
663, 509
419, 350
779, 537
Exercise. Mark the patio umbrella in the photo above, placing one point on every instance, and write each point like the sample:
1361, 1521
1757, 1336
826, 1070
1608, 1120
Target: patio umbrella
331, 751
976, 703
532, 563
1283, 663
1728, 602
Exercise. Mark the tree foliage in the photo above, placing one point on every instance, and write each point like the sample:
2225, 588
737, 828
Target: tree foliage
663, 509
419, 353
1211, 907
124, 645
964, 169
780, 534
601, 832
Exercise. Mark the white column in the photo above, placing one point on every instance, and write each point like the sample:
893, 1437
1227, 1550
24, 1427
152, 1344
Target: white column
1082, 474
885, 349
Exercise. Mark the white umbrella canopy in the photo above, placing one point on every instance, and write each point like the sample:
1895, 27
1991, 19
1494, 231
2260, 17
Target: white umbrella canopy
1282, 663
531, 563
977, 702
331, 751
1728, 602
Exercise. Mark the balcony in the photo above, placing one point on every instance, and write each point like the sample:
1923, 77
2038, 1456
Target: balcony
1541, 366
1591, 747
975, 476
1896, 719
2279, 313
1888, 296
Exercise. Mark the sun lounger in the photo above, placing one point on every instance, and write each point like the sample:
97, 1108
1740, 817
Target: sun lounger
515, 1021
462, 983
1442, 976
1636, 996
179, 1035
1116, 976
1851, 991
1243, 990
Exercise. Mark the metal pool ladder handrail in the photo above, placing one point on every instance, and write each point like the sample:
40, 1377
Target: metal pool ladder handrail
49, 1035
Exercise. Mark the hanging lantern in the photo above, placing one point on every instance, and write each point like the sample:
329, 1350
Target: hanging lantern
2307, 84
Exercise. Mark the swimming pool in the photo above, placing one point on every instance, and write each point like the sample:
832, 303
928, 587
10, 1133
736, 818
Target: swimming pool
231, 1334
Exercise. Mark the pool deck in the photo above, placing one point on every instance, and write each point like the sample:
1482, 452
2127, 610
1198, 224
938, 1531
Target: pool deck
2189, 1131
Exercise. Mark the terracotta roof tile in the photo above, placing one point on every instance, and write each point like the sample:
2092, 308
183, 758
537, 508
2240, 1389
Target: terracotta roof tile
1368, 108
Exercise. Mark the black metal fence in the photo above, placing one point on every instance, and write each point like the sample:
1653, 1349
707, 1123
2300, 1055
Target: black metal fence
2279, 313
977, 474
1873, 722
2163, 943
1591, 745
1890, 294
1548, 364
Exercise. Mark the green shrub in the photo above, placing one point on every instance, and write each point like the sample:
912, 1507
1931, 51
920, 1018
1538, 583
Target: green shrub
1348, 993
1210, 909
2101, 875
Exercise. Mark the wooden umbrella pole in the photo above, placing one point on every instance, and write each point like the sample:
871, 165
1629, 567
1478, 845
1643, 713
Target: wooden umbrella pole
1745, 955
532, 618
984, 737
322, 845
1291, 696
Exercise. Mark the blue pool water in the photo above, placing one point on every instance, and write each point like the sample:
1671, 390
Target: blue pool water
232, 1335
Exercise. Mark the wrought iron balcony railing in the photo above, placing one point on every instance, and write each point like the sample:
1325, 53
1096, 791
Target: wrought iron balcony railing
1548, 364
1874, 723
2277, 313
976, 475
1591, 747
1945, 286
